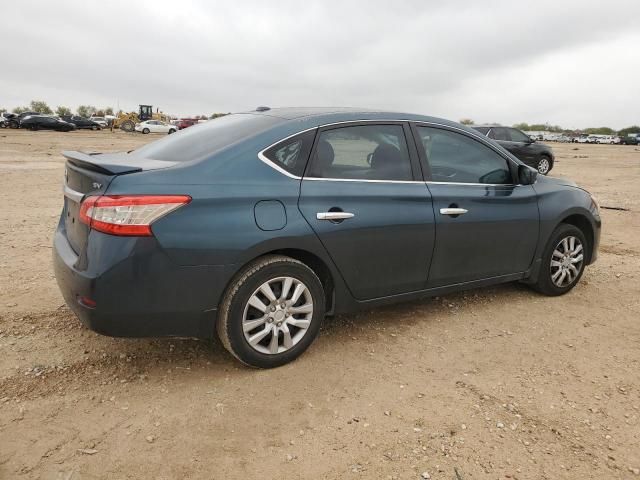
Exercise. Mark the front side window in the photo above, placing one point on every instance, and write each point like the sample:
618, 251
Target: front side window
457, 158
363, 152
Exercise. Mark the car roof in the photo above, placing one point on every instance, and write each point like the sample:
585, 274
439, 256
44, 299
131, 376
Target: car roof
316, 116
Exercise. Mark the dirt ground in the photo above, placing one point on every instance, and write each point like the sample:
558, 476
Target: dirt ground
492, 383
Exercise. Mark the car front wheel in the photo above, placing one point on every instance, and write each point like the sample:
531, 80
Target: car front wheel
271, 312
563, 261
145, 130
172, 130
544, 165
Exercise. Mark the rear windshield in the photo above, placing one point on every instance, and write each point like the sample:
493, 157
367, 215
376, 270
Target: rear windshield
207, 138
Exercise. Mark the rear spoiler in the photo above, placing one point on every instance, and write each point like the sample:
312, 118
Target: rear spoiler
113, 164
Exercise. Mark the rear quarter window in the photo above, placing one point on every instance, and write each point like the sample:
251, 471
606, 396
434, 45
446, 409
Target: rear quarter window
292, 153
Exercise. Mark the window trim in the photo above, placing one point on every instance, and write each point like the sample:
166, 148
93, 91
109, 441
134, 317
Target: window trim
416, 148
416, 174
477, 136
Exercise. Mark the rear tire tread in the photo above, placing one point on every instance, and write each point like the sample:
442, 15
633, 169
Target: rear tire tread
222, 323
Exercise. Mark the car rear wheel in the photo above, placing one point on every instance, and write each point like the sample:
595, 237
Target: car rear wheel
544, 165
271, 312
145, 130
172, 130
563, 261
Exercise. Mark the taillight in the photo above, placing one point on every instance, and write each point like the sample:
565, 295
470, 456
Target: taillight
130, 215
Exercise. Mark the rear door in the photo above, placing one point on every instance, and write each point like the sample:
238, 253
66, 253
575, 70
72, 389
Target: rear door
363, 195
486, 224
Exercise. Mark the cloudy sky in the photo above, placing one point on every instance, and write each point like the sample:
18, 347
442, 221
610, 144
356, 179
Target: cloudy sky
574, 63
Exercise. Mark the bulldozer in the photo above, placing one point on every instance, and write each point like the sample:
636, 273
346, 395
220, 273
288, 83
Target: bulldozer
127, 121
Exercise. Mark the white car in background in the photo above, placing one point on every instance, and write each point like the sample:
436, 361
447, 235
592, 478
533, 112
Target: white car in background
605, 139
155, 126
100, 121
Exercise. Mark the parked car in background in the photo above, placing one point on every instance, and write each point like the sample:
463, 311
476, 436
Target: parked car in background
606, 139
155, 126
100, 121
563, 139
186, 123
528, 151
256, 225
16, 120
82, 122
4, 119
46, 122
630, 140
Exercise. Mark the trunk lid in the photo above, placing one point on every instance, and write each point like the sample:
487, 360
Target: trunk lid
90, 174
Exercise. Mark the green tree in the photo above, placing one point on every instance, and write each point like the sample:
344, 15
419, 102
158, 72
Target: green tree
467, 121
19, 110
626, 131
108, 111
3, 110
63, 111
86, 110
216, 115
99, 113
40, 107
600, 131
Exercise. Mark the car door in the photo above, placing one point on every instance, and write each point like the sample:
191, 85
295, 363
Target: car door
486, 224
363, 196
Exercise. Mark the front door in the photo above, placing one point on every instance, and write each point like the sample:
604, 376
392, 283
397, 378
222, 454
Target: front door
362, 196
486, 224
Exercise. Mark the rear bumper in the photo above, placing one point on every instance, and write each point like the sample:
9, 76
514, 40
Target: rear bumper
138, 291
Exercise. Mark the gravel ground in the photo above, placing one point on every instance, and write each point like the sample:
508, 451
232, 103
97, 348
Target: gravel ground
491, 383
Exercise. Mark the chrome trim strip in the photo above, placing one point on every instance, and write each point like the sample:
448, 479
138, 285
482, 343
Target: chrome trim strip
72, 194
361, 180
473, 184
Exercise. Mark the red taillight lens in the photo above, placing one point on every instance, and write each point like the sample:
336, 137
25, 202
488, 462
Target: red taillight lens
130, 215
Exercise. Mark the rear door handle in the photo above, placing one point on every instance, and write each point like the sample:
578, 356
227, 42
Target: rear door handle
453, 211
333, 215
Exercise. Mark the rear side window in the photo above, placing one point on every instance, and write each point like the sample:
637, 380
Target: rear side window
203, 140
292, 154
500, 133
365, 152
457, 158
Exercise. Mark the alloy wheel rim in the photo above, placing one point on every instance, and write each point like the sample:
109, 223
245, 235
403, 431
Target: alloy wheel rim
277, 315
567, 261
543, 166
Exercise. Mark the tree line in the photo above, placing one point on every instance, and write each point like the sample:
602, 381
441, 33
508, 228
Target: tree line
86, 111
539, 127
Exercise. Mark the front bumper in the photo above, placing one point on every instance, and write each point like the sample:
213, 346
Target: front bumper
138, 290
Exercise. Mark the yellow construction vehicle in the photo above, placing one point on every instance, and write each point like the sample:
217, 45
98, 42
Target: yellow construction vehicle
127, 121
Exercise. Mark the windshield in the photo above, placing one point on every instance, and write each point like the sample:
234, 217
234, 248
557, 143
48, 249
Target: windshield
206, 138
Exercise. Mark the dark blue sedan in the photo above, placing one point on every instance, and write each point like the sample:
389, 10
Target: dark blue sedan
257, 225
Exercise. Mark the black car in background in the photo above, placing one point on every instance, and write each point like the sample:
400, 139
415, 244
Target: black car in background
536, 155
626, 140
45, 122
81, 122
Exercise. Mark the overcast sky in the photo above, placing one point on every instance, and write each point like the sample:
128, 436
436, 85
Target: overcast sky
574, 63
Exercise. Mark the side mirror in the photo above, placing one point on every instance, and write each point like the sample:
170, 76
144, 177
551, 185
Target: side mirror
527, 175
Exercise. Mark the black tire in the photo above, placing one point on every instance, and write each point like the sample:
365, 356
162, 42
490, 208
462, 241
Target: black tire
230, 316
145, 130
545, 284
172, 130
95, 127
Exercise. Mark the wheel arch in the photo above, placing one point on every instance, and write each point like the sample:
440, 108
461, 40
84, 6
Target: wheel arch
311, 260
582, 222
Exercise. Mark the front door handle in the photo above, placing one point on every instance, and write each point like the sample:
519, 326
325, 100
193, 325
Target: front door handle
333, 216
453, 211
